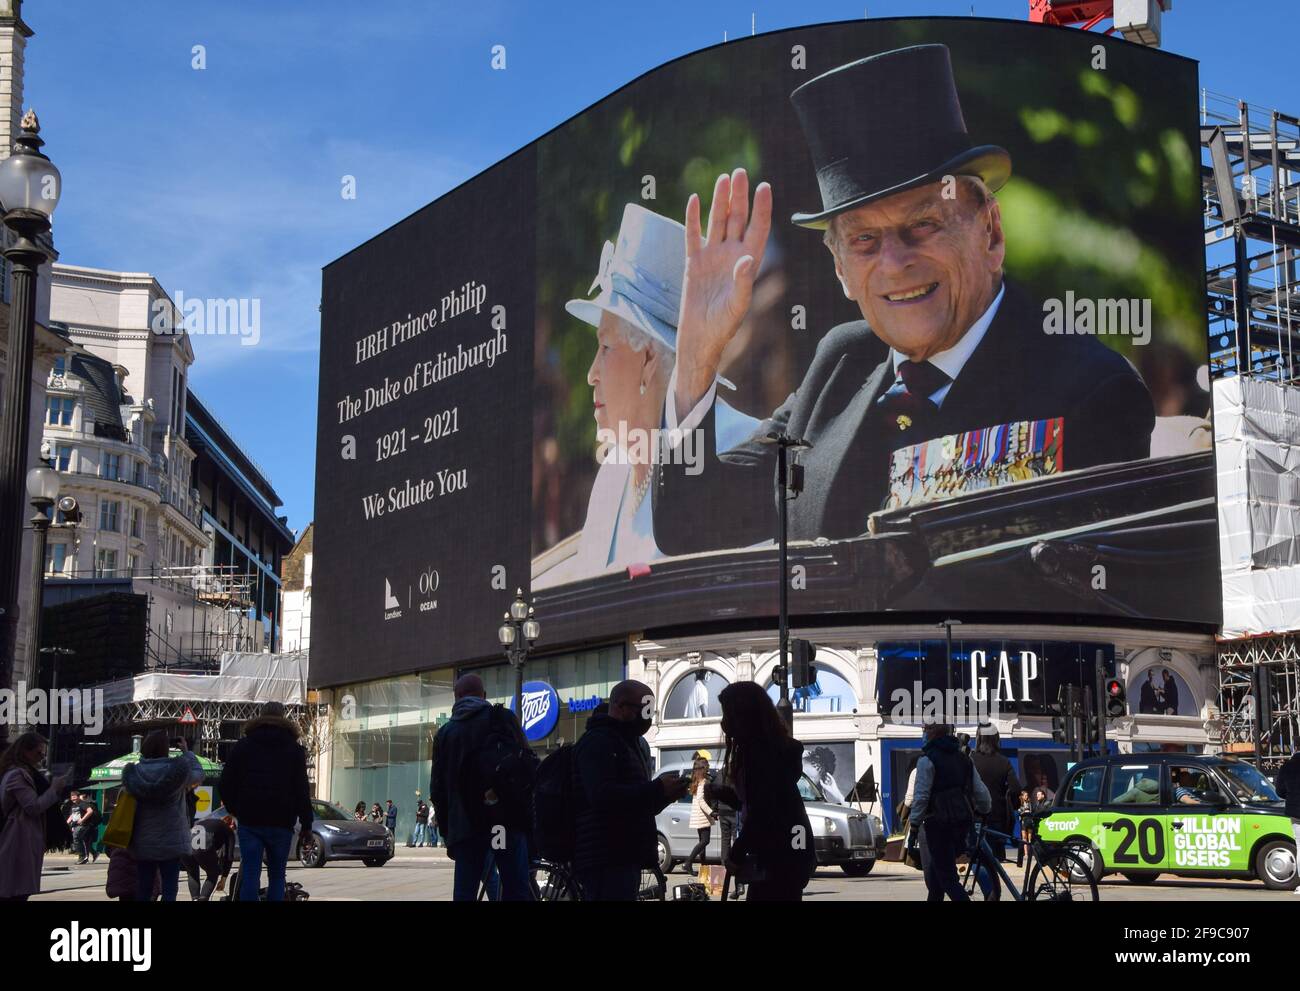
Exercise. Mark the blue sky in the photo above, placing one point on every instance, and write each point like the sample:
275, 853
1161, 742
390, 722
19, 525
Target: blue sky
226, 182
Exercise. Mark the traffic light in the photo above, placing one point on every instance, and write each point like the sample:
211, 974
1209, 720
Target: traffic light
801, 663
1058, 726
1116, 699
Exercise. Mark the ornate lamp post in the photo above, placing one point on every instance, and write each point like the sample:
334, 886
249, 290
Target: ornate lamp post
29, 191
518, 631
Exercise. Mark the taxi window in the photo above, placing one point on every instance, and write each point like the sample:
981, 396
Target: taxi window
1133, 784
1085, 787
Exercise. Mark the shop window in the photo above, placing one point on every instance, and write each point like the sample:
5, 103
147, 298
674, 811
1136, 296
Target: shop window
829, 694
831, 766
695, 696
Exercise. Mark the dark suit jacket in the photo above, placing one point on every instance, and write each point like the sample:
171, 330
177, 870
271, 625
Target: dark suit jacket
1017, 373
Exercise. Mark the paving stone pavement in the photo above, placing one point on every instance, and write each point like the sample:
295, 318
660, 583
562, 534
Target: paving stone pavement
426, 875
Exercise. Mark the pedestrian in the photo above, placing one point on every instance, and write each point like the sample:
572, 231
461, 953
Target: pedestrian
431, 824
264, 784
160, 835
31, 819
390, 818
999, 777
212, 852
74, 809
87, 832
1287, 785
359, 813
702, 815
124, 876
949, 795
480, 789
773, 852
376, 813
616, 800
1025, 811
421, 812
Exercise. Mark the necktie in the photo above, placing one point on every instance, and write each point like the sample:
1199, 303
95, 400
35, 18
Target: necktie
908, 400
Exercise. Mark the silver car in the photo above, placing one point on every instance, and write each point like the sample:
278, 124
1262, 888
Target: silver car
841, 834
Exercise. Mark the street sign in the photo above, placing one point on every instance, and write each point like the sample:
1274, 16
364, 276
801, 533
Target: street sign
187, 717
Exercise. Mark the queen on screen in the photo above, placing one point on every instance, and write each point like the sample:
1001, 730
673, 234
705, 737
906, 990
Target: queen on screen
635, 317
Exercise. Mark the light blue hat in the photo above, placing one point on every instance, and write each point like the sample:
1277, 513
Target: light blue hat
640, 277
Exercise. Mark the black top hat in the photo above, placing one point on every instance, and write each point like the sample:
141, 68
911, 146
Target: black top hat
886, 124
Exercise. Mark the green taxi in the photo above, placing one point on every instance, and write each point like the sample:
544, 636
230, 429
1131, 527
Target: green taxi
1143, 815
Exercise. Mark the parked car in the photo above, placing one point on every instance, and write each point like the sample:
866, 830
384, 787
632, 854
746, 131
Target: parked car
841, 834
1192, 815
336, 835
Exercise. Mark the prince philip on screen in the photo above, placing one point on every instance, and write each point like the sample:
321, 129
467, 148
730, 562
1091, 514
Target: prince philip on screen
909, 217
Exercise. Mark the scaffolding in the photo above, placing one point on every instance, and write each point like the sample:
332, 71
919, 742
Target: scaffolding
1250, 160
1259, 697
213, 613
1250, 179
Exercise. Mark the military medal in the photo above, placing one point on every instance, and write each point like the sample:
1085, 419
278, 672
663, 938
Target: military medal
904, 421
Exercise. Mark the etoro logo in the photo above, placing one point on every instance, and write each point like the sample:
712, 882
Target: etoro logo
1061, 825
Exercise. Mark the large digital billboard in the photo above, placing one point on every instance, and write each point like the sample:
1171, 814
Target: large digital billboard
958, 261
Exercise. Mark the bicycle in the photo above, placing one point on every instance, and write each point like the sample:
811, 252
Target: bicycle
1053, 872
550, 881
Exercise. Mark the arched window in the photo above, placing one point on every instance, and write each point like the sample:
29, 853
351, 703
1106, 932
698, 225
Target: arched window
1158, 691
695, 696
829, 693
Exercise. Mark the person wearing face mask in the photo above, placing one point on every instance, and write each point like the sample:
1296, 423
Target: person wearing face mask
616, 798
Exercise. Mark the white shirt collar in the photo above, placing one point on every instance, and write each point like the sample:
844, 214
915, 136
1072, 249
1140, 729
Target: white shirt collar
952, 361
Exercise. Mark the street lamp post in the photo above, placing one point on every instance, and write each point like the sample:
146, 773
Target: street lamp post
948, 624
43, 488
789, 482
29, 191
518, 632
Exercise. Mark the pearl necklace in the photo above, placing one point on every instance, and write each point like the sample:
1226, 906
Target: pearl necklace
639, 489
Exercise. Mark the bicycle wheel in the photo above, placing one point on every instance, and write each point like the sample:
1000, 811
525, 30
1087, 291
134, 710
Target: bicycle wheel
1060, 877
970, 881
553, 883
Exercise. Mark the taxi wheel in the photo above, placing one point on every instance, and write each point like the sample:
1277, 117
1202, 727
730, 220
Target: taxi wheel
1087, 857
1275, 865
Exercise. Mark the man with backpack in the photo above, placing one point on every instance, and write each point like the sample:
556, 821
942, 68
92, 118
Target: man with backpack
87, 831
615, 798
949, 795
481, 789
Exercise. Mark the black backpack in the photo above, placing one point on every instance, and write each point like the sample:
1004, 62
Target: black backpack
504, 765
554, 824
954, 806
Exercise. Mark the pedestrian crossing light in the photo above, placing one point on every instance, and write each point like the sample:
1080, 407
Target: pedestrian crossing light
1116, 700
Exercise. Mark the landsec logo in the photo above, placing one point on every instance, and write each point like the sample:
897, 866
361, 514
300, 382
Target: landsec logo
541, 709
